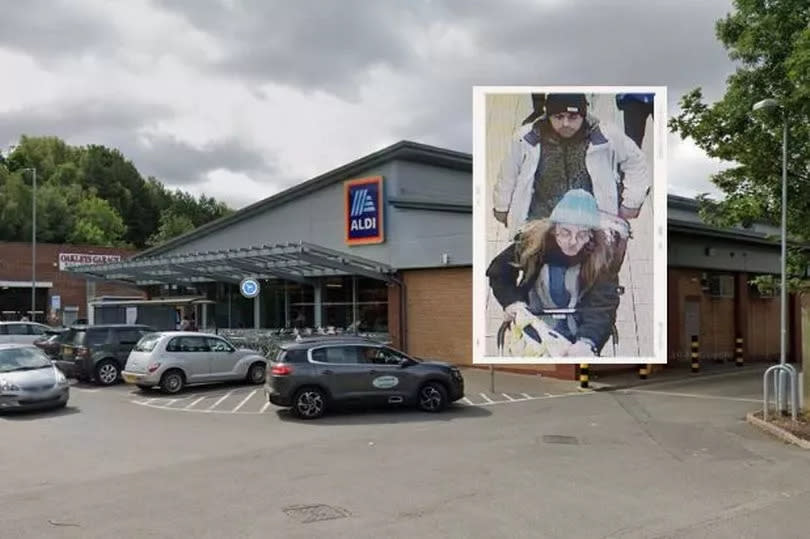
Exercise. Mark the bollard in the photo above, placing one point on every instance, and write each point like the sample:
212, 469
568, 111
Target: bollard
695, 354
643, 371
583, 376
738, 352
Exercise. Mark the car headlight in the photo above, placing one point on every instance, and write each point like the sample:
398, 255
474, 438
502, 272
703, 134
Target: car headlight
61, 379
5, 386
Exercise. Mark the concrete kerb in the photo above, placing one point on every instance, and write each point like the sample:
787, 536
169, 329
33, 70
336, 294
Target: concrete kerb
776, 431
671, 378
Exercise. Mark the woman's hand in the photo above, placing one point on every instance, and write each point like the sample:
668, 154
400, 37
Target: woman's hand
510, 312
580, 349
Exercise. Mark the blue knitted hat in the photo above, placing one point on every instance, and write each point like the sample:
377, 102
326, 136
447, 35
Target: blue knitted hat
577, 207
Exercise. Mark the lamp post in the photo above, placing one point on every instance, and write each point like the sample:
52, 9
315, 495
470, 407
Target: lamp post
33, 242
774, 104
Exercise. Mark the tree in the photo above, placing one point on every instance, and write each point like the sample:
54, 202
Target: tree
97, 223
771, 42
171, 225
67, 175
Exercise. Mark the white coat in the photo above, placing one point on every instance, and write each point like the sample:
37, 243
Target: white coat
609, 151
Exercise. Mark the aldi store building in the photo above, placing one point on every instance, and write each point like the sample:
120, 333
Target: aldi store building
381, 245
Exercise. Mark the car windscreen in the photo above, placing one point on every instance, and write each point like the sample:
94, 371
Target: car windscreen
147, 343
22, 359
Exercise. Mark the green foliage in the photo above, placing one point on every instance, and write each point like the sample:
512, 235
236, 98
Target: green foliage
770, 41
171, 225
92, 195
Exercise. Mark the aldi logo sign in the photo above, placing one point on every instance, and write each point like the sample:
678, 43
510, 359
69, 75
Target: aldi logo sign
363, 200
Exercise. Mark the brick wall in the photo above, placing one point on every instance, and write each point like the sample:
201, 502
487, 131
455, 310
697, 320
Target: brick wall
15, 265
439, 319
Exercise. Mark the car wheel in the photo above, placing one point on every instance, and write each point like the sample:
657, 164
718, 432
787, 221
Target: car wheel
309, 403
432, 397
107, 372
257, 373
172, 382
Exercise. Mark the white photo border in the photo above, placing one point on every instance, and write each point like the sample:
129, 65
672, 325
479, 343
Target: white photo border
659, 201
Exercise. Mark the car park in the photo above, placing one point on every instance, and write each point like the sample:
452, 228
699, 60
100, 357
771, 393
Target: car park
30, 380
99, 352
312, 375
175, 359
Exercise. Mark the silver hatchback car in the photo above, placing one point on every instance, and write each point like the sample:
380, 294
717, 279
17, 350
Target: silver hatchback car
29, 380
176, 359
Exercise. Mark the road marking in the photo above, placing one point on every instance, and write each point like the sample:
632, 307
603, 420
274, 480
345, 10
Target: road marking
194, 402
468, 401
527, 396
244, 401
508, 397
691, 395
225, 396
171, 401
486, 398
266, 405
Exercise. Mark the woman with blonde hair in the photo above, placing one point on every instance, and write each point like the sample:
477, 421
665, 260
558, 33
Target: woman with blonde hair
566, 262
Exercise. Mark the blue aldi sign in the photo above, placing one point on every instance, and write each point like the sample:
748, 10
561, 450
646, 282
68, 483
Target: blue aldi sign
363, 200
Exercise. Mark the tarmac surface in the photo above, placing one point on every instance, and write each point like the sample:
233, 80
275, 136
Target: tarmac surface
669, 458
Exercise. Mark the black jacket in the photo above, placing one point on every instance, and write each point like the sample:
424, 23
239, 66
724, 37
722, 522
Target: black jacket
597, 305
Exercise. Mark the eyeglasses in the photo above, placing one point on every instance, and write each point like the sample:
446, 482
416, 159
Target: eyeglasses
566, 235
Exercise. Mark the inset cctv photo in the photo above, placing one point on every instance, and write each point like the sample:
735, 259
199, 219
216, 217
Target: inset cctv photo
569, 248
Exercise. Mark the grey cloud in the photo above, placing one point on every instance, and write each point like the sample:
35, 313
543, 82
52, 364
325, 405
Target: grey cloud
326, 46
50, 30
116, 125
174, 161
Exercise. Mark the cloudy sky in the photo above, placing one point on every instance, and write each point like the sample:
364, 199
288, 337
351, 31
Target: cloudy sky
238, 99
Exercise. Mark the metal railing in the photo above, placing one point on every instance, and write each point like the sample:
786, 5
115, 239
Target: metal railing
779, 371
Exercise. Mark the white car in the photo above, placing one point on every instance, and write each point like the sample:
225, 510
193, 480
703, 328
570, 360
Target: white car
22, 332
176, 359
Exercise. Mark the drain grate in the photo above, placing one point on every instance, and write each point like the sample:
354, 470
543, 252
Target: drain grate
315, 513
557, 439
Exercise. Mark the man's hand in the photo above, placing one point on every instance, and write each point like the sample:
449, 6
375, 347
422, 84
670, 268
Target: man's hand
629, 213
579, 349
500, 216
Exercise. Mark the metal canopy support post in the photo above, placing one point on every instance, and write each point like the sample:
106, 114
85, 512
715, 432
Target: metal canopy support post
257, 311
318, 288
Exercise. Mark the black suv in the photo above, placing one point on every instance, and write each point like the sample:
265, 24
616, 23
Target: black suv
313, 374
100, 352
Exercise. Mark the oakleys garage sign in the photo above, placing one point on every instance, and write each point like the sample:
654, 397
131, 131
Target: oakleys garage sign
67, 260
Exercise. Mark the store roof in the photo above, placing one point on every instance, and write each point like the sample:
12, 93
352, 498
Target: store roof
404, 150
298, 262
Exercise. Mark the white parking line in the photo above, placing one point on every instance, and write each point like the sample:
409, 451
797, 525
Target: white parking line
191, 405
526, 395
244, 401
225, 396
266, 405
467, 401
486, 398
508, 397
170, 402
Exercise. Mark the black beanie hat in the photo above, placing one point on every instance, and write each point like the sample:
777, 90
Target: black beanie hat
557, 103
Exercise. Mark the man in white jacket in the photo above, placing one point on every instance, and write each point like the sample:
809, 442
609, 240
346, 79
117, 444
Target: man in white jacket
566, 149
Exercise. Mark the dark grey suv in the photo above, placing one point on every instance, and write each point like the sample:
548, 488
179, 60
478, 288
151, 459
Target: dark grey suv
99, 352
311, 375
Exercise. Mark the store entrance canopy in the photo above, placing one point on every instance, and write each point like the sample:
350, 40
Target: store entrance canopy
299, 262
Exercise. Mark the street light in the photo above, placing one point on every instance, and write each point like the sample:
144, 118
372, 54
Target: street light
33, 243
774, 104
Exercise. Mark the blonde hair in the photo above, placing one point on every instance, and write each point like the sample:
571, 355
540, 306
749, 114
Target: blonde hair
532, 242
